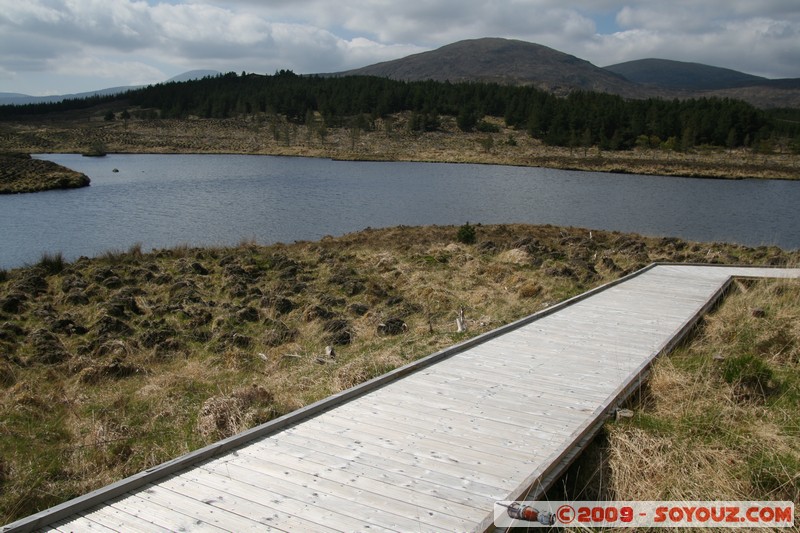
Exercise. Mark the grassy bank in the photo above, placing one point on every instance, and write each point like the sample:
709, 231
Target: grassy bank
718, 419
385, 139
20, 173
114, 364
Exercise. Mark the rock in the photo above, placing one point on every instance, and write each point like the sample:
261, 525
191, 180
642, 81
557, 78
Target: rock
623, 413
392, 326
758, 312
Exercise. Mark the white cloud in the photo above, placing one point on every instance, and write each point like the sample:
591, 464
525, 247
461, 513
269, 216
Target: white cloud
320, 36
135, 72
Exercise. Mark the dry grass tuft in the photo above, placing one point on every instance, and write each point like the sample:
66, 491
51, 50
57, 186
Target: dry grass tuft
707, 428
111, 365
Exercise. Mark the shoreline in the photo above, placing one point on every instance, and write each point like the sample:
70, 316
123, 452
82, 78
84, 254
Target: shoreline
21, 174
385, 141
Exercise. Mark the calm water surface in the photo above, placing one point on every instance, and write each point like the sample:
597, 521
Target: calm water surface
164, 200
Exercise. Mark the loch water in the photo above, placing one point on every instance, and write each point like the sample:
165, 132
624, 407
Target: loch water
167, 200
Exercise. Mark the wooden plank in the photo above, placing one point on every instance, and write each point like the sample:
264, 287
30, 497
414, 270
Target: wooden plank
518, 380
540, 428
529, 435
325, 463
118, 520
402, 501
259, 503
78, 524
169, 518
479, 453
579, 392
457, 384
183, 504
394, 464
506, 408
465, 436
361, 506
397, 442
411, 457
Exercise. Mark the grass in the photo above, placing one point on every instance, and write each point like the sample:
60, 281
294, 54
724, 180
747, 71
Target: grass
111, 365
52, 263
389, 140
719, 417
20, 173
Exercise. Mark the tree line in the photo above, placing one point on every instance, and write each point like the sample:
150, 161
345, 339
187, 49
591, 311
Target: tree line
579, 119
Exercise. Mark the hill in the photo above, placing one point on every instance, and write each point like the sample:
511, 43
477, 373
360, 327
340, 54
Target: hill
513, 62
503, 61
680, 75
23, 99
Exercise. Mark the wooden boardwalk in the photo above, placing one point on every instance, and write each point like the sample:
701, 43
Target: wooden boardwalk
431, 446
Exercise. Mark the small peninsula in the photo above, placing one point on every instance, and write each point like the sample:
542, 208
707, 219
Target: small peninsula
21, 173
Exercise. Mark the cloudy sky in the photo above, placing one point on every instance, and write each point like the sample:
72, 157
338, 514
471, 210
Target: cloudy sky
67, 46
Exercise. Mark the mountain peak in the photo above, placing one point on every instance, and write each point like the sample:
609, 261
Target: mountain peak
507, 61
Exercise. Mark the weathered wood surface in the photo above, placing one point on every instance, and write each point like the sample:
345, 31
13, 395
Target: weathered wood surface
434, 449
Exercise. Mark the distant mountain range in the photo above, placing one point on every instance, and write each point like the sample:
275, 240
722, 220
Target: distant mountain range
516, 62
522, 63
501, 61
678, 75
22, 99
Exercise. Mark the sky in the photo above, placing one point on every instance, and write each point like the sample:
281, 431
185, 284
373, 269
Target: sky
68, 46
